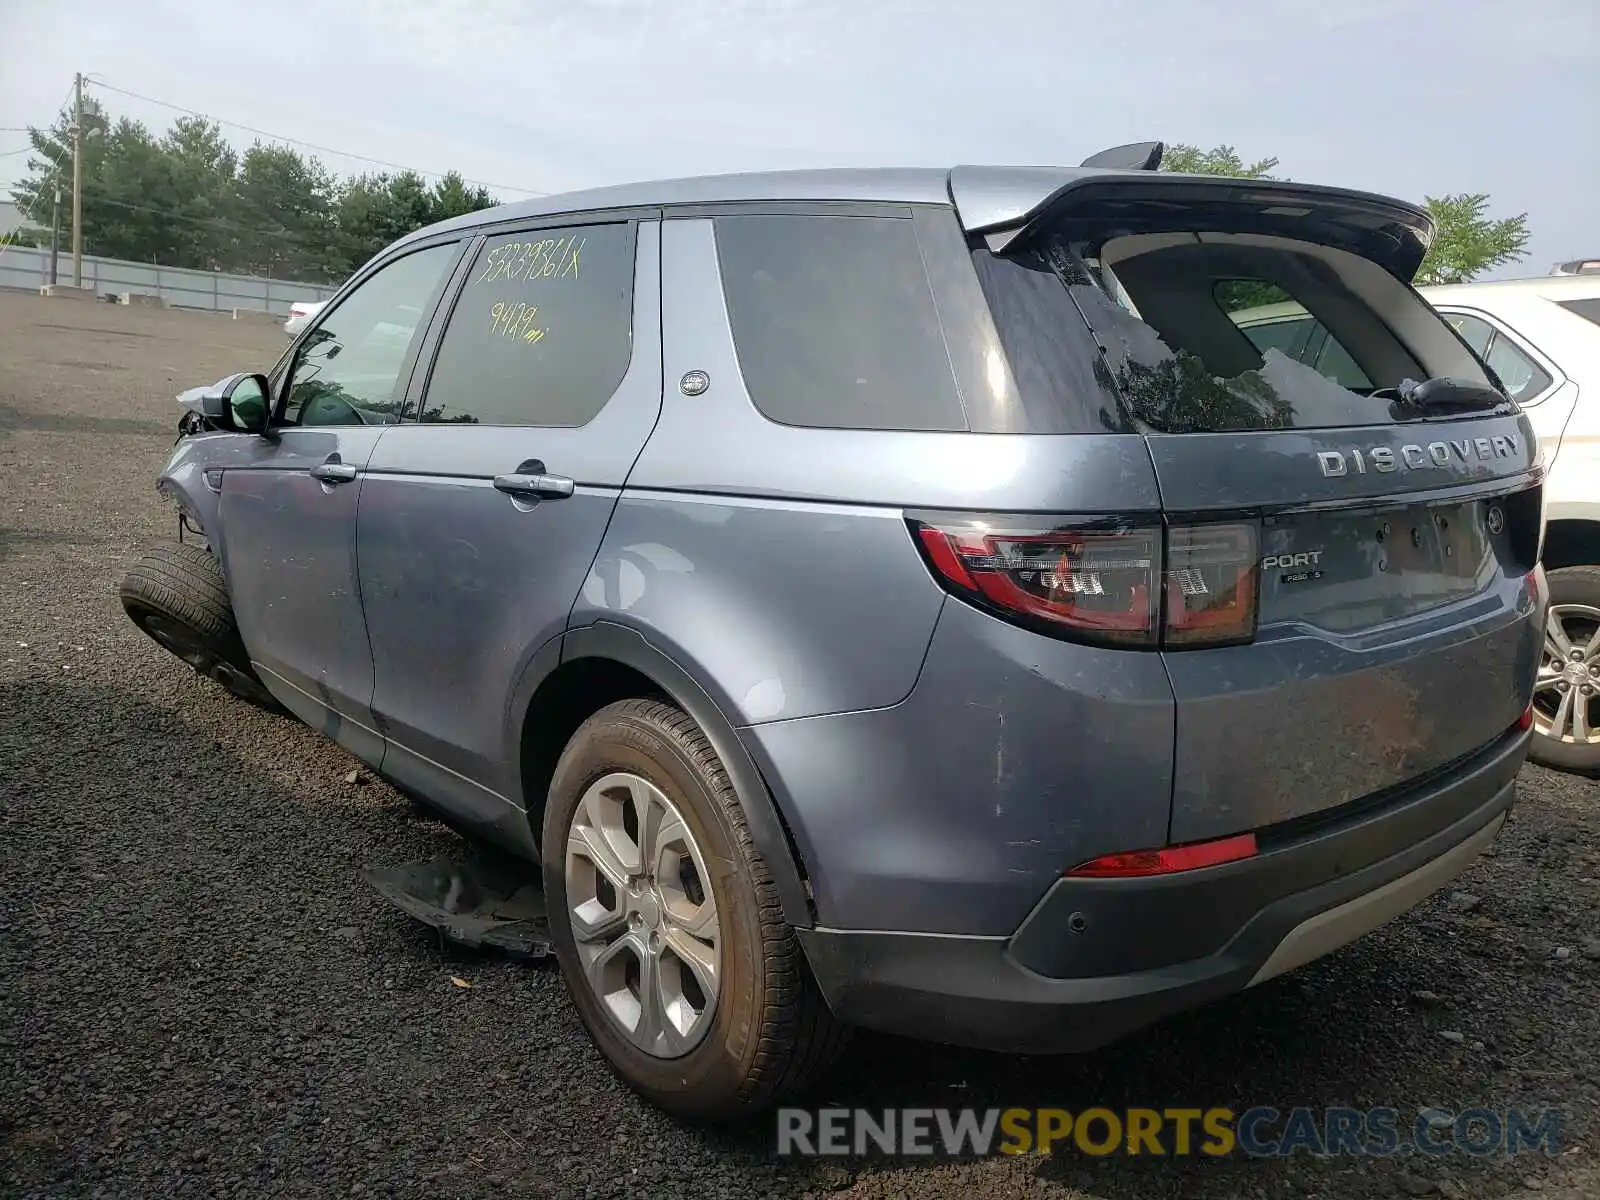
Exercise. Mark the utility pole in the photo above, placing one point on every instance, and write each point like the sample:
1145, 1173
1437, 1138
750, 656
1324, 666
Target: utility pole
77, 181
55, 230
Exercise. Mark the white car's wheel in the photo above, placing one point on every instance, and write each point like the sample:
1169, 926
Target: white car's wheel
1566, 699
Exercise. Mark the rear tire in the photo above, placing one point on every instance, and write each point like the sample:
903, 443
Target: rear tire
176, 594
761, 1030
1575, 608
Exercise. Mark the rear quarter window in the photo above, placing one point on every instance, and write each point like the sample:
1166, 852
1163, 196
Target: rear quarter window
835, 324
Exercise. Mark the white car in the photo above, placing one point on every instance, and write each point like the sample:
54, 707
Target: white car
1541, 336
300, 312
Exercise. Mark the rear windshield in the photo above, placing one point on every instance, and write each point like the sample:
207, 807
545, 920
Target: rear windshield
1192, 331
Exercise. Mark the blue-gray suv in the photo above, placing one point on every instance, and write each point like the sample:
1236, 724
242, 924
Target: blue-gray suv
905, 599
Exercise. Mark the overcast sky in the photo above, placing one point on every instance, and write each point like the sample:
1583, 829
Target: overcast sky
1409, 97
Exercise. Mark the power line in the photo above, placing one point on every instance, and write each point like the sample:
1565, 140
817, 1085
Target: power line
278, 137
173, 214
56, 158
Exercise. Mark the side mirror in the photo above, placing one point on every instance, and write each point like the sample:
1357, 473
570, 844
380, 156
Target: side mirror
239, 404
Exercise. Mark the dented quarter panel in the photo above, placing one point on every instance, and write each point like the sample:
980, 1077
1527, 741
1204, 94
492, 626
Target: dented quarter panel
1016, 757
779, 609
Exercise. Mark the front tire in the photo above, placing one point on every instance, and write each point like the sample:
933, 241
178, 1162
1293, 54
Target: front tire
177, 595
667, 925
1566, 700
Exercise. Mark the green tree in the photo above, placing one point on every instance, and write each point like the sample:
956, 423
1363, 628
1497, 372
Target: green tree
1468, 241
188, 198
451, 197
374, 210
1221, 160
285, 213
204, 171
131, 202
51, 163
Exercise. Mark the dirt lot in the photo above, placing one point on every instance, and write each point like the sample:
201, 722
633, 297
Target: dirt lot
201, 998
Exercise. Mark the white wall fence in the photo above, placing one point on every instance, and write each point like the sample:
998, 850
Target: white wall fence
28, 267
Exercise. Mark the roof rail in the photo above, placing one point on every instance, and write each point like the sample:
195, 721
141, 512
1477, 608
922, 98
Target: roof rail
1135, 156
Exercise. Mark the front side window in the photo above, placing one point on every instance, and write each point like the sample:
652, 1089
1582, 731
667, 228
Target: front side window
834, 322
542, 333
347, 370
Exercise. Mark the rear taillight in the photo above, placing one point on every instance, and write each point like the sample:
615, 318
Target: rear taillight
1098, 582
1211, 585
1127, 584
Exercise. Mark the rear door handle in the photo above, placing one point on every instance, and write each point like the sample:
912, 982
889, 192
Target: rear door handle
531, 479
333, 472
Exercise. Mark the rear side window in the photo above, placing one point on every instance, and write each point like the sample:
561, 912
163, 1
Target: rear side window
1193, 331
542, 333
1523, 378
834, 322
1475, 331
1271, 320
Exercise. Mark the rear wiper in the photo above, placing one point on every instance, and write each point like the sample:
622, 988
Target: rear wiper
1441, 396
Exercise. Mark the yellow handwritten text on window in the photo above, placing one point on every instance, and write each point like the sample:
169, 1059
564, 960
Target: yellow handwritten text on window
516, 262
510, 320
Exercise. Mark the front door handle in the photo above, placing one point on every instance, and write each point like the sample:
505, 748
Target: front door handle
333, 472
531, 479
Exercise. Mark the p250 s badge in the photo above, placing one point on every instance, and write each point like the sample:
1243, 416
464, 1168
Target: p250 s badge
1300, 567
1415, 457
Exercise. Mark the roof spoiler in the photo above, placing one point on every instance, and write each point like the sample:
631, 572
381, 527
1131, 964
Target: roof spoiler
1135, 156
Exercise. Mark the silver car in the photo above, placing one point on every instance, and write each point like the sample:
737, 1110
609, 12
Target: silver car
900, 599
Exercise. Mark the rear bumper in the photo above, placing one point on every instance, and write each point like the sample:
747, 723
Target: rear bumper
1097, 959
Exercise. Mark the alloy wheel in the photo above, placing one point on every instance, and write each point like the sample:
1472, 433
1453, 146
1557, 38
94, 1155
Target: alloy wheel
643, 915
1566, 698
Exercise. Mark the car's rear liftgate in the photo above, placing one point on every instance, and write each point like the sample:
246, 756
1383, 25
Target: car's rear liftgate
1347, 579
1392, 634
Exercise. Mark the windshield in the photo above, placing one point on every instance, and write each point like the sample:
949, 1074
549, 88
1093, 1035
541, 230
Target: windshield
1192, 331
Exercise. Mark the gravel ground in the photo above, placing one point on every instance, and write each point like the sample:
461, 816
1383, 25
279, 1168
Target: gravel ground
201, 998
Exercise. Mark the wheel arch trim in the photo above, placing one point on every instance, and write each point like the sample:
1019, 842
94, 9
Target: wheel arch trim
631, 648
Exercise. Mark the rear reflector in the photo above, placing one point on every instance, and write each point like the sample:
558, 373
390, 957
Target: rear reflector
1168, 861
1102, 581
1525, 721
